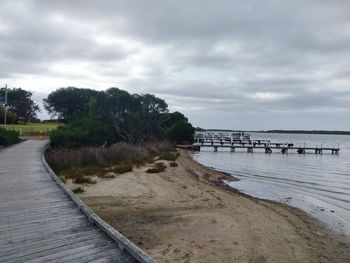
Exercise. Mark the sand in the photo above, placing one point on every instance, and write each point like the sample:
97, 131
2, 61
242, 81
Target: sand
185, 215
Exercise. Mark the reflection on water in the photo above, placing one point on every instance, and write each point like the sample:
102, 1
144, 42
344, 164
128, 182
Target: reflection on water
318, 184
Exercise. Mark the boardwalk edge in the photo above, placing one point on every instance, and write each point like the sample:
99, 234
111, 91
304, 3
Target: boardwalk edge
123, 242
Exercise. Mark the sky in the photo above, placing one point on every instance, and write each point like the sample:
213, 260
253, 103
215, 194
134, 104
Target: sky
229, 64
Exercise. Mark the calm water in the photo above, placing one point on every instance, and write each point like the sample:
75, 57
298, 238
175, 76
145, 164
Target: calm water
318, 184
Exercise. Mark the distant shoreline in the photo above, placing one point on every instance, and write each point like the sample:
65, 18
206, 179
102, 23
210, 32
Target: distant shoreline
322, 132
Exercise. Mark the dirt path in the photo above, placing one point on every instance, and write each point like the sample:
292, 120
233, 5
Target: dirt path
184, 215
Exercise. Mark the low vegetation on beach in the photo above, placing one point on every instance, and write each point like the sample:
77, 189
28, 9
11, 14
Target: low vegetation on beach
81, 165
156, 168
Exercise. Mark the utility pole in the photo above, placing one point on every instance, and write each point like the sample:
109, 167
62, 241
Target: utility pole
5, 105
4, 102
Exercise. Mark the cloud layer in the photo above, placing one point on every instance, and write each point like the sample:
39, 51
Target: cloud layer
228, 64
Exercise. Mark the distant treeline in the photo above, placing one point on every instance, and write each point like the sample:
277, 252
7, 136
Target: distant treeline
307, 132
283, 131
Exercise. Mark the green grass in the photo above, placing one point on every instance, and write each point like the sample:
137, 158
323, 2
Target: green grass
32, 128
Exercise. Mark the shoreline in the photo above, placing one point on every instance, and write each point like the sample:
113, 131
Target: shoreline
187, 214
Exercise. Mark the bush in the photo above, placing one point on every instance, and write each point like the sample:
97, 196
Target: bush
78, 190
181, 132
83, 180
81, 133
121, 153
79, 171
122, 168
173, 164
8, 137
168, 156
157, 168
11, 117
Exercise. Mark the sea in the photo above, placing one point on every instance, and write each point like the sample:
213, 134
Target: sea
319, 184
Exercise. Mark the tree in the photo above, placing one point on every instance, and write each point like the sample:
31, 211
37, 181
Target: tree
85, 132
172, 118
69, 103
20, 102
152, 104
181, 132
11, 118
130, 117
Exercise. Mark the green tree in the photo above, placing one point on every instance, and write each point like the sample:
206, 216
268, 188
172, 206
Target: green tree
20, 103
85, 132
11, 117
181, 132
130, 117
69, 103
172, 118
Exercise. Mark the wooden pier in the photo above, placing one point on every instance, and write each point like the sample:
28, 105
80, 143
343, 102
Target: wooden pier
266, 147
39, 222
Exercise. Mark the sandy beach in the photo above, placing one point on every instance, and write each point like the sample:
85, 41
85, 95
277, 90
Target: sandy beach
184, 214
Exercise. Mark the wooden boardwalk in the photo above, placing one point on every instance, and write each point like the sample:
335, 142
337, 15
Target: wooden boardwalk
38, 222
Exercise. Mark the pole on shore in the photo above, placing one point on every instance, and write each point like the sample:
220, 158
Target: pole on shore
5, 106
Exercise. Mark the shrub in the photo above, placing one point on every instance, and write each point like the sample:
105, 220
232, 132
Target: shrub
78, 190
156, 148
157, 168
173, 164
61, 158
80, 133
168, 156
11, 117
8, 137
78, 171
108, 175
181, 132
83, 180
122, 168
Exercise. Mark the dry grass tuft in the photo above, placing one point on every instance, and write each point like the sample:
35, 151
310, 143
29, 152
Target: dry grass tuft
78, 190
157, 168
173, 164
122, 168
83, 180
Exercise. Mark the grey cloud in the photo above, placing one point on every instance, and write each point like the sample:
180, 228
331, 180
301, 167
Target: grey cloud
256, 59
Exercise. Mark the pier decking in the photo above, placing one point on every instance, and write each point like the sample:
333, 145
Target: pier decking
38, 222
265, 146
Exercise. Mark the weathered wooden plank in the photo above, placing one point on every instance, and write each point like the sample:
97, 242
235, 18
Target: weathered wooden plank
107, 255
36, 248
39, 222
53, 240
60, 252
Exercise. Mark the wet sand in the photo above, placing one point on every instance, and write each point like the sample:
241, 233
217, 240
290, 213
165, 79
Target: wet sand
185, 215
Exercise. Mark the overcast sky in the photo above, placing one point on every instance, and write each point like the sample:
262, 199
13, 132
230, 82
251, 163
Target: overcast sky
255, 64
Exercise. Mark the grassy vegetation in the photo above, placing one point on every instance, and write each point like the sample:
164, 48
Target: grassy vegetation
31, 128
173, 164
80, 164
157, 168
122, 168
168, 156
81, 179
78, 190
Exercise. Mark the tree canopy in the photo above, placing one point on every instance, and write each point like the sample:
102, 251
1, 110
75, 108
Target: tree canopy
68, 103
134, 118
20, 103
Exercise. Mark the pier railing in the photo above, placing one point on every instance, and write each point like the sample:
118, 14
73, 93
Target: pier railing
265, 145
